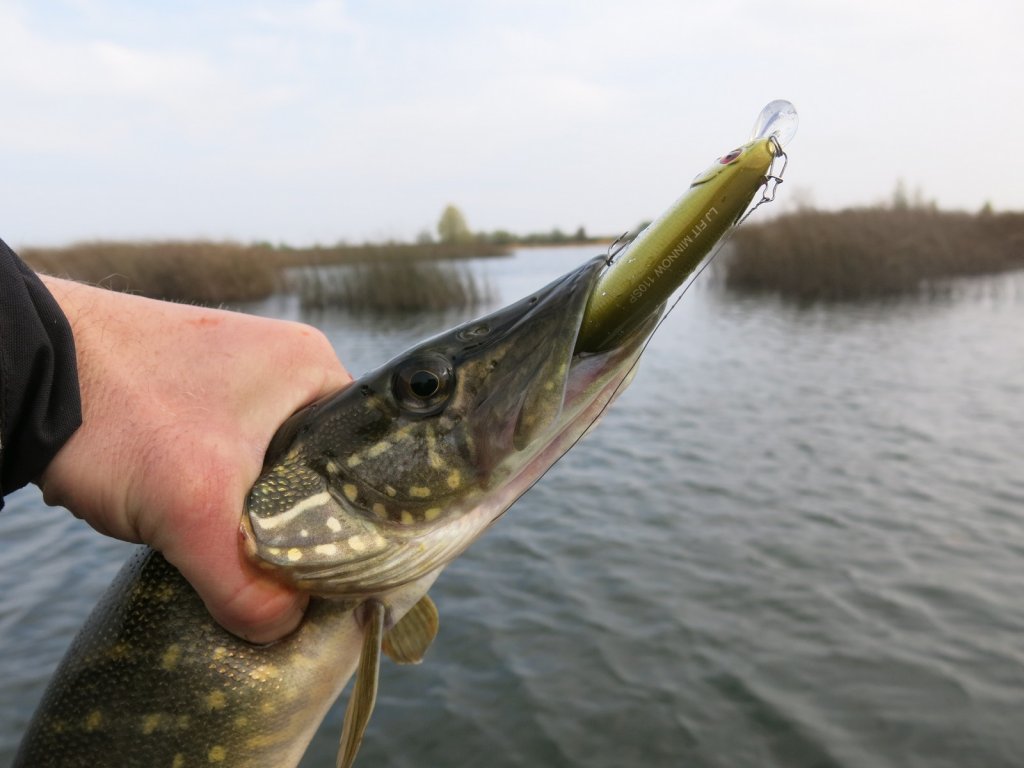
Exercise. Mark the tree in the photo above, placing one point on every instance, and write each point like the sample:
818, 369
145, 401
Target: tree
452, 228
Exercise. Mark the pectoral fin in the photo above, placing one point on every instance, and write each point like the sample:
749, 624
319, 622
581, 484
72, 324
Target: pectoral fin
409, 639
364, 691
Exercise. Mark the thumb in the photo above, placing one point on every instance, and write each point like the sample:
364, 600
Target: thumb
242, 599
205, 544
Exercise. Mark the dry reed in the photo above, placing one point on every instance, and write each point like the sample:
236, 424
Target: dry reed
201, 272
870, 252
391, 287
215, 273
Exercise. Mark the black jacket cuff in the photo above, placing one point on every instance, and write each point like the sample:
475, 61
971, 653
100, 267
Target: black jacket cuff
40, 405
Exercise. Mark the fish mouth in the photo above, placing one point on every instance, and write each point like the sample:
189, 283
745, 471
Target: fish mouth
558, 390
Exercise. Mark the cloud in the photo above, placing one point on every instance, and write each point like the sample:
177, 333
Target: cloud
324, 119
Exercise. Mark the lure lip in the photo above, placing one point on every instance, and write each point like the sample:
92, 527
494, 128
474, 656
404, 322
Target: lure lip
779, 120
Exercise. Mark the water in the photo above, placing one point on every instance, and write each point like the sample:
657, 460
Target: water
796, 541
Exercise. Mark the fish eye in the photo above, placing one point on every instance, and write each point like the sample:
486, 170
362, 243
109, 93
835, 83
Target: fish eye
423, 385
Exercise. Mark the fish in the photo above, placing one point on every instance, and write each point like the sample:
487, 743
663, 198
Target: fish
364, 498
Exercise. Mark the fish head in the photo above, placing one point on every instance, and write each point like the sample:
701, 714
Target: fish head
392, 477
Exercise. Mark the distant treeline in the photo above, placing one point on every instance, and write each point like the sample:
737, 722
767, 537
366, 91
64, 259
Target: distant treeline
452, 228
860, 253
554, 237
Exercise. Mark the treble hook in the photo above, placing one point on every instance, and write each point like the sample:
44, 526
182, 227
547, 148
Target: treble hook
621, 241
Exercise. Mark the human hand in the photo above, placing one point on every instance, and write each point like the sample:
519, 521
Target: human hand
179, 404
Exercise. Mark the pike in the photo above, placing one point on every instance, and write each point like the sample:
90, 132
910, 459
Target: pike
365, 496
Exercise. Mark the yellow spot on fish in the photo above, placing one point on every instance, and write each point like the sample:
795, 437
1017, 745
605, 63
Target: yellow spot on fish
390, 491
164, 593
356, 543
432, 456
265, 672
170, 658
268, 707
432, 514
183, 722
216, 700
333, 467
294, 554
548, 386
93, 721
119, 651
379, 449
350, 491
327, 549
380, 510
179, 761
150, 723
407, 518
454, 479
354, 460
217, 754
304, 533
333, 524
219, 653
241, 721
419, 491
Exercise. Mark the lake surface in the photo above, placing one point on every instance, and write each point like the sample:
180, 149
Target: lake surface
797, 540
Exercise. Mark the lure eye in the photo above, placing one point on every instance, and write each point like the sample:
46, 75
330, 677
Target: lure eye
726, 159
423, 385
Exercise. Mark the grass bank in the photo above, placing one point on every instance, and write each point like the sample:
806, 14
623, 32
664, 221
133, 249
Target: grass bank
869, 252
216, 273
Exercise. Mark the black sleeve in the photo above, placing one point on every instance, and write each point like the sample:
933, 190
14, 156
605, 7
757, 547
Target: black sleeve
40, 406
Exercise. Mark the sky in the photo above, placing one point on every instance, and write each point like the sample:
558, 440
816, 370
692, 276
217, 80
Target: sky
332, 120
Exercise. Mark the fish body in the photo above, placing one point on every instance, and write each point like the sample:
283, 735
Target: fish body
151, 680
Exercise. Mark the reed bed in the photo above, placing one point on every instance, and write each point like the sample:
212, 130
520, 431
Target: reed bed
217, 273
391, 287
387, 252
200, 272
870, 253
